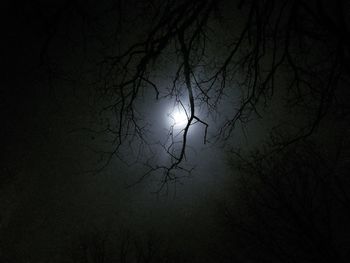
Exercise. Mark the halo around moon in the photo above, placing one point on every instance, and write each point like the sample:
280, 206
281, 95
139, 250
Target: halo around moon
178, 117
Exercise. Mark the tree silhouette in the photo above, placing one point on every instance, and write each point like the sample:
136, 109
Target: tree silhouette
291, 206
202, 54
127, 246
299, 48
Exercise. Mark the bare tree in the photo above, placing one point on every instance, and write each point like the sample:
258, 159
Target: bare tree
290, 206
125, 247
306, 44
200, 54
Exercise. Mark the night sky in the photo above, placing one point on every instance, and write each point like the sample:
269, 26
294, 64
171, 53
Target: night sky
175, 131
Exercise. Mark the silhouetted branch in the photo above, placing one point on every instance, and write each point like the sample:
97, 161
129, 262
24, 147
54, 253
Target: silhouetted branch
297, 48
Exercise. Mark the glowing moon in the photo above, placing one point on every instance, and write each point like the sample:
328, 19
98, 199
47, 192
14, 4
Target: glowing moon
179, 117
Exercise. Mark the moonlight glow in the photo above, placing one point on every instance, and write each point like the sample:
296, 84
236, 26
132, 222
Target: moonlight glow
178, 117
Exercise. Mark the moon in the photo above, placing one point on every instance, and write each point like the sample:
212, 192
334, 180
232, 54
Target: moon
179, 117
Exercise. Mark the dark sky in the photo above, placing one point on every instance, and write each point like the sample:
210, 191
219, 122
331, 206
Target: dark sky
48, 200
55, 206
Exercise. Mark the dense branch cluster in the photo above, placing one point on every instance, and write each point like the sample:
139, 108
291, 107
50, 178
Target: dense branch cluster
297, 48
291, 206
